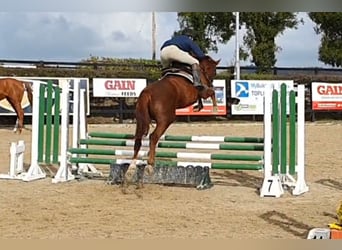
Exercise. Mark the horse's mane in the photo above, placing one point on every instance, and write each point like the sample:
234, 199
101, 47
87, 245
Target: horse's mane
206, 58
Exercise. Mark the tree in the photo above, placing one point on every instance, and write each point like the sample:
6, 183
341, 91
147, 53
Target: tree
210, 28
262, 29
329, 25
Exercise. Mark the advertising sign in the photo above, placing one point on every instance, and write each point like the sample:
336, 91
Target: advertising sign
251, 94
6, 108
326, 96
220, 93
118, 87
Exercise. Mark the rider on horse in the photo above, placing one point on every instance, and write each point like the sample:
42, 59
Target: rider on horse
180, 48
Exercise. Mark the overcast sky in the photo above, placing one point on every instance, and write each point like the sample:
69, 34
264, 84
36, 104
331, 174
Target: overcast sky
73, 36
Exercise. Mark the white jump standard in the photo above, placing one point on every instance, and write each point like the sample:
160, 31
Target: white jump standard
279, 169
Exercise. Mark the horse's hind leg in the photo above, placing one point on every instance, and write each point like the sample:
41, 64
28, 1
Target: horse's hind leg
128, 176
16, 126
154, 138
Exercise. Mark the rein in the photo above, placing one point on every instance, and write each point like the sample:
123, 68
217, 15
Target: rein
210, 81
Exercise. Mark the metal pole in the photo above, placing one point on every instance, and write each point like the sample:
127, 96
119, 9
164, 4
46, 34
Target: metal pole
237, 47
153, 36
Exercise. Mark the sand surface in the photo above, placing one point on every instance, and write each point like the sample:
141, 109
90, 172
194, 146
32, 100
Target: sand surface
232, 208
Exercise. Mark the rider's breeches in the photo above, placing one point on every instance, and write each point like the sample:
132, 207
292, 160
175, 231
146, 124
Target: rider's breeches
173, 53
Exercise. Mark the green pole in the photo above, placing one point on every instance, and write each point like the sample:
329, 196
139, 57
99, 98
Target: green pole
283, 128
109, 152
275, 132
292, 152
56, 125
42, 107
48, 123
173, 145
173, 137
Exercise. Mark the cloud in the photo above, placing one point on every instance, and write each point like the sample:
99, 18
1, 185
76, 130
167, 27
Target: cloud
73, 36
45, 35
299, 47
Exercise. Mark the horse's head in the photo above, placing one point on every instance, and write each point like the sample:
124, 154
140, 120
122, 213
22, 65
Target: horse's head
208, 70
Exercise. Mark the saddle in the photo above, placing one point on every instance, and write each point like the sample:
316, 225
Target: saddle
179, 69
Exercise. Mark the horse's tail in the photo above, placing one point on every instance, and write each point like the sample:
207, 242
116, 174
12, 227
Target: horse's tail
142, 115
29, 92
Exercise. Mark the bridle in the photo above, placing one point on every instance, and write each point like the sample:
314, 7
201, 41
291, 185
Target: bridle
207, 78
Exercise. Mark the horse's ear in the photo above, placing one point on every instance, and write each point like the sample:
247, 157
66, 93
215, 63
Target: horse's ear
218, 61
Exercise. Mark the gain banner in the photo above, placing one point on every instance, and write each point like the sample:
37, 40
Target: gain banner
326, 96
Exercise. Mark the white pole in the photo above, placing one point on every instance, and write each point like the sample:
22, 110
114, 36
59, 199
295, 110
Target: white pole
35, 124
301, 186
83, 133
63, 173
267, 132
76, 112
237, 47
35, 172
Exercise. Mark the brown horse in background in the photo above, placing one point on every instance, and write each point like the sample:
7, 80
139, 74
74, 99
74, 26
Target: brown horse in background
158, 102
13, 91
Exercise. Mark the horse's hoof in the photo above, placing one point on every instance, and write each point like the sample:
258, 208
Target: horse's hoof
149, 170
197, 108
130, 172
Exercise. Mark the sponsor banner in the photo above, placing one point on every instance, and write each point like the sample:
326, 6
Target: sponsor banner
220, 94
326, 96
251, 94
6, 108
118, 87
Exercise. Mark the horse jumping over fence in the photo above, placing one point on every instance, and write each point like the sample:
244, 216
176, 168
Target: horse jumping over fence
13, 91
159, 101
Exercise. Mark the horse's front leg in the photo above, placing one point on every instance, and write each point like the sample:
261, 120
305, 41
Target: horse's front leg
205, 94
199, 106
214, 101
210, 92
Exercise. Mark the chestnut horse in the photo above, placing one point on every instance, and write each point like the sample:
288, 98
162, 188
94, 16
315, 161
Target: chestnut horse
13, 90
158, 102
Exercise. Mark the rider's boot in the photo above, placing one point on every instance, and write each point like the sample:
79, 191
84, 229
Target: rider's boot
196, 73
197, 83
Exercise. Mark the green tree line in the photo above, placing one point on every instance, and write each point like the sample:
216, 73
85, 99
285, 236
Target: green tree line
262, 28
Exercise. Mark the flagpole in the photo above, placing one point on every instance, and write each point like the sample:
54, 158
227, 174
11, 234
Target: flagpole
237, 47
153, 36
